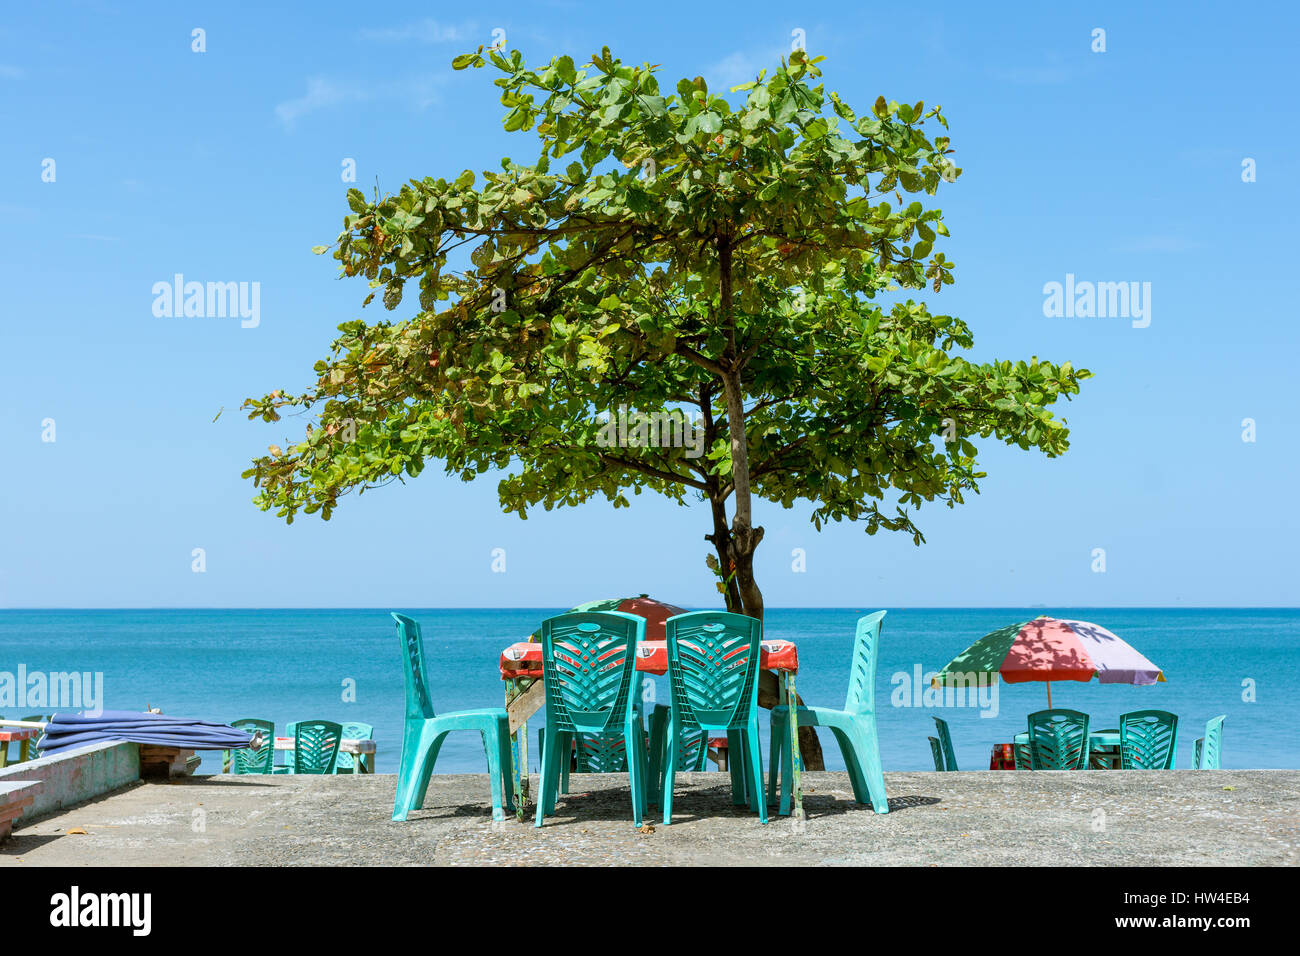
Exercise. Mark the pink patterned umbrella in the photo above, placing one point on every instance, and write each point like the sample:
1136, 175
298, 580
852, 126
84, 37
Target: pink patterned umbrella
1048, 649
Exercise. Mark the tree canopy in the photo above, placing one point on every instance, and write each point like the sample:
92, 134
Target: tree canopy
667, 250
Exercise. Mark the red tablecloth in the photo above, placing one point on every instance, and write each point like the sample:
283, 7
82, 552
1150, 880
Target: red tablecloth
1002, 758
524, 659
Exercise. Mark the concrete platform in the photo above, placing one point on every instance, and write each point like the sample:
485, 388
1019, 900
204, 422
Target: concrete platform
1181, 818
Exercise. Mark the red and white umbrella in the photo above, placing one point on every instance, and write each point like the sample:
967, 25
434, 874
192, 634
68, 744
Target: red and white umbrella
1051, 649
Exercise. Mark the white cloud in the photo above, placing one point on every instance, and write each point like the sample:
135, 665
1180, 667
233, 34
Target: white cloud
1034, 76
1160, 244
419, 92
427, 30
320, 94
1050, 73
741, 67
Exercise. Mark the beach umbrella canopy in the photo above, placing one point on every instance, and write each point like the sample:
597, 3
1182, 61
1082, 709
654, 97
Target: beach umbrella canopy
1051, 649
654, 612
69, 731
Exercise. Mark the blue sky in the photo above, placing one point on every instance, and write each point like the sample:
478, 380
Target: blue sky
1123, 165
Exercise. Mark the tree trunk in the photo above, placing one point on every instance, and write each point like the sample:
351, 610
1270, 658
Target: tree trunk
769, 688
735, 546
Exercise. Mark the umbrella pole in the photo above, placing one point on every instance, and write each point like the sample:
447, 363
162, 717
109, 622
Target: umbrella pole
1049, 695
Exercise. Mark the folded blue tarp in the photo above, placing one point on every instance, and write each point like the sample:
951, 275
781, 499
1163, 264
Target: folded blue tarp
68, 731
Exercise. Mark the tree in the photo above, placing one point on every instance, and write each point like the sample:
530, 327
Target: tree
690, 256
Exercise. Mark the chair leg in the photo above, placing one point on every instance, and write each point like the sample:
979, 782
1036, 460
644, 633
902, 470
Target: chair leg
550, 767
563, 758
774, 752
420, 747
492, 750
849, 751
658, 727
787, 767
406, 768
868, 758
636, 771
503, 751
426, 771
748, 748
736, 764
648, 786
670, 768
755, 767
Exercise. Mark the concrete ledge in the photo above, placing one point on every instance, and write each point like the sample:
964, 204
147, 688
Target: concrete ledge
76, 776
15, 798
1013, 818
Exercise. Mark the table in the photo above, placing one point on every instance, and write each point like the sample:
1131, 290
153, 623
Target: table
364, 749
1103, 748
26, 735
521, 669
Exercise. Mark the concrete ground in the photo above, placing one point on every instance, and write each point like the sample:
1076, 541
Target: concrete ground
1133, 818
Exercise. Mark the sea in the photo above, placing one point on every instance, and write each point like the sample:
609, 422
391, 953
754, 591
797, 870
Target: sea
344, 665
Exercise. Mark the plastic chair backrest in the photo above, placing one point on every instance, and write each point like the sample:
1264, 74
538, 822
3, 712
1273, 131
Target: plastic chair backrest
353, 730
945, 744
247, 760
588, 662
601, 753
1020, 754
419, 703
936, 751
1148, 740
1058, 740
1209, 749
713, 659
316, 746
862, 674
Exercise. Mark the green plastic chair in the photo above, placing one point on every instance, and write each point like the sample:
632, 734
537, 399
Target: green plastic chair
247, 760
713, 661
566, 766
592, 753
1102, 757
1207, 750
354, 730
33, 744
1148, 740
692, 757
589, 670
287, 766
1058, 740
424, 731
316, 746
854, 726
947, 754
936, 754
1020, 752
24, 749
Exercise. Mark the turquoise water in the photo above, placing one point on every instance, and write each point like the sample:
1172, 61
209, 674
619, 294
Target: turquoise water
293, 664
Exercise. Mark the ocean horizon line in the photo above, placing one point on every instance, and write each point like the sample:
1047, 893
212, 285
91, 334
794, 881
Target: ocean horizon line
784, 607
